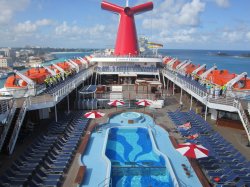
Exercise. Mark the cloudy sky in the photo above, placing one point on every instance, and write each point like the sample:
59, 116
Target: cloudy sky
178, 24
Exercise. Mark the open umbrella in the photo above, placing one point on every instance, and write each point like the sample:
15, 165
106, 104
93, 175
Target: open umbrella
94, 114
143, 103
192, 150
116, 103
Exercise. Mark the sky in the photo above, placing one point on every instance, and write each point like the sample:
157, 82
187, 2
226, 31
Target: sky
177, 24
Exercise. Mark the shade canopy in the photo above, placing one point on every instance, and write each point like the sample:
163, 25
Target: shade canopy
116, 103
143, 103
94, 114
192, 150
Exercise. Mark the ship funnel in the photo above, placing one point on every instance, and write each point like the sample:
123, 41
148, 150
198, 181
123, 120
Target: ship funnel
126, 41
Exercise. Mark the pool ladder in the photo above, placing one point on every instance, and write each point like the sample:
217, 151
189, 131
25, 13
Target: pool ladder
104, 183
152, 129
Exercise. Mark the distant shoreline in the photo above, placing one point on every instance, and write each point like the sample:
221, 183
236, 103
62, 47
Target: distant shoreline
66, 52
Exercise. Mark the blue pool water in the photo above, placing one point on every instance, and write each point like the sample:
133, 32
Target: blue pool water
134, 162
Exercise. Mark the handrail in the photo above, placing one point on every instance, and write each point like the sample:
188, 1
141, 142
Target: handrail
8, 123
74, 82
244, 118
103, 182
17, 127
229, 101
4, 106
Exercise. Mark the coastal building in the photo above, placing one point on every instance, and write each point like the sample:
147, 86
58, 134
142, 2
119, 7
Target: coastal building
5, 52
5, 62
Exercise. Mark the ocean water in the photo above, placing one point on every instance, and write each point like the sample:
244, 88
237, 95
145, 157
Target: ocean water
230, 60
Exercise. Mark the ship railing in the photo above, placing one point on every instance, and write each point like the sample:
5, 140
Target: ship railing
45, 98
104, 55
67, 88
17, 127
107, 182
243, 117
8, 122
229, 101
4, 106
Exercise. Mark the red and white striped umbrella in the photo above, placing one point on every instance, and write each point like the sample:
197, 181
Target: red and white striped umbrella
143, 103
94, 114
116, 103
192, 150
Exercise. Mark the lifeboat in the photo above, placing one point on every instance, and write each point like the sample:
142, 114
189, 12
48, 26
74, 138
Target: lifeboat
190, 68
166, 60
37, 75
176, 63
64, 65
242, 85
220, 77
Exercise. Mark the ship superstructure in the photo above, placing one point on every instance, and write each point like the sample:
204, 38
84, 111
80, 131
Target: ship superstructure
132, 71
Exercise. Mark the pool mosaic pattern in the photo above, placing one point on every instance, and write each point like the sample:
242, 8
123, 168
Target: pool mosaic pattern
133, 161
97, 165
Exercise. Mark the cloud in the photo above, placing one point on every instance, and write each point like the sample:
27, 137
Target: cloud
9, 7
94, 36
65, 29
175, 14
248, 36
232, 36
222, 3
29, 27
189, 13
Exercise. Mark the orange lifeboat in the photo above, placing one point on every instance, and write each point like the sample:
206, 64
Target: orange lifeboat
190, 68
166, 60
220, 77
65, 66
176, 63
243, 84
78, 62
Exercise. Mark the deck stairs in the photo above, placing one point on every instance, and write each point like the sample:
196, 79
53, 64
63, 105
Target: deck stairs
7, 126
10, 131
230, 104
244, 118
17, 128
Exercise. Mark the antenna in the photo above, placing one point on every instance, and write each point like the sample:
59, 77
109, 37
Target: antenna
127, 3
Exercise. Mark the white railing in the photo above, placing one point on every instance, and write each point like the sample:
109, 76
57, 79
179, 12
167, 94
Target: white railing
244, 118
228, 101
65, 90
40, 99
17, 127
196, 91
8, 123
4, 106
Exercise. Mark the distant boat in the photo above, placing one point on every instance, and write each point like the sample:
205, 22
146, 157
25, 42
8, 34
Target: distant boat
18, 66
222, 54
3, 75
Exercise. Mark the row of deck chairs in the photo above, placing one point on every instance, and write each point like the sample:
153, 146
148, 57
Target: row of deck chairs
224, 162
86, 104
193, 82
45, 162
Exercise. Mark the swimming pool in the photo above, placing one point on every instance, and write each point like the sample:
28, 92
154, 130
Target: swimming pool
135, 160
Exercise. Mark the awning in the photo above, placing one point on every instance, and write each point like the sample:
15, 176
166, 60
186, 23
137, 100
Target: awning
88, 89
127, 75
